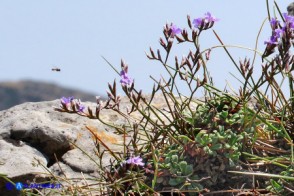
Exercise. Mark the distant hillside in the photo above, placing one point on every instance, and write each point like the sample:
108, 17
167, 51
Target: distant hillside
14, 93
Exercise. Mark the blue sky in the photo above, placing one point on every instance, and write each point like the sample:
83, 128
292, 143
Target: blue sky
73, 35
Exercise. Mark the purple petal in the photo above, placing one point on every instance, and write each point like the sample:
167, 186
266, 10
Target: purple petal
274, 22
81, 108
175, 29
210, 18
125, 79
65, 100
135, 161
197, 22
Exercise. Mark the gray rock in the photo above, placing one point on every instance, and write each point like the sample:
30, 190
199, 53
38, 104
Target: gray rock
33, 132
77, 160
17, 158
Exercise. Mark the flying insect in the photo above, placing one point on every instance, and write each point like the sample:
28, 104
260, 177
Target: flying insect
56, 69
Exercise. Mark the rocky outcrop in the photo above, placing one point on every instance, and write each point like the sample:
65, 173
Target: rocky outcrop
36, 140
34, 134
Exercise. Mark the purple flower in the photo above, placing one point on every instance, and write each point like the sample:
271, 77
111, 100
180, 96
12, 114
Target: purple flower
125, 79
272, 41
289, 21
66, 101
279, 32
288, 18
274, 23
135, 161
275, 36
198, 22
207, 21
80, 107
210, 18
175, 30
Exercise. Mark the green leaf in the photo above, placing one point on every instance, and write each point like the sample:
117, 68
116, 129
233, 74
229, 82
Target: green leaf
167, 160
189, 169
175, 181
216, 146
240, 137
174, 158
184, 138
276, 186
221, 128
200, 134
183, 166
233, 140
224, 114
227, 146
214, 139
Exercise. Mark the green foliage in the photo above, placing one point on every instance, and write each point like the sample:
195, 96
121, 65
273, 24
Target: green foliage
180, 173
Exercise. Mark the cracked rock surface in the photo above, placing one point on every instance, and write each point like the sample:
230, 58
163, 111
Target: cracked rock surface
33, 132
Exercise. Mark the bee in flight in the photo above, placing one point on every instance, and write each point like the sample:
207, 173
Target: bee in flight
56, 69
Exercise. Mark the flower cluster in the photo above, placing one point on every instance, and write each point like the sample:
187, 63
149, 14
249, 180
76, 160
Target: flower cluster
80, 106
175, 30
205, 22
274, 37
279, 32
289, 20
276, 32
135, 161
66, 101
125, 78
70, 103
